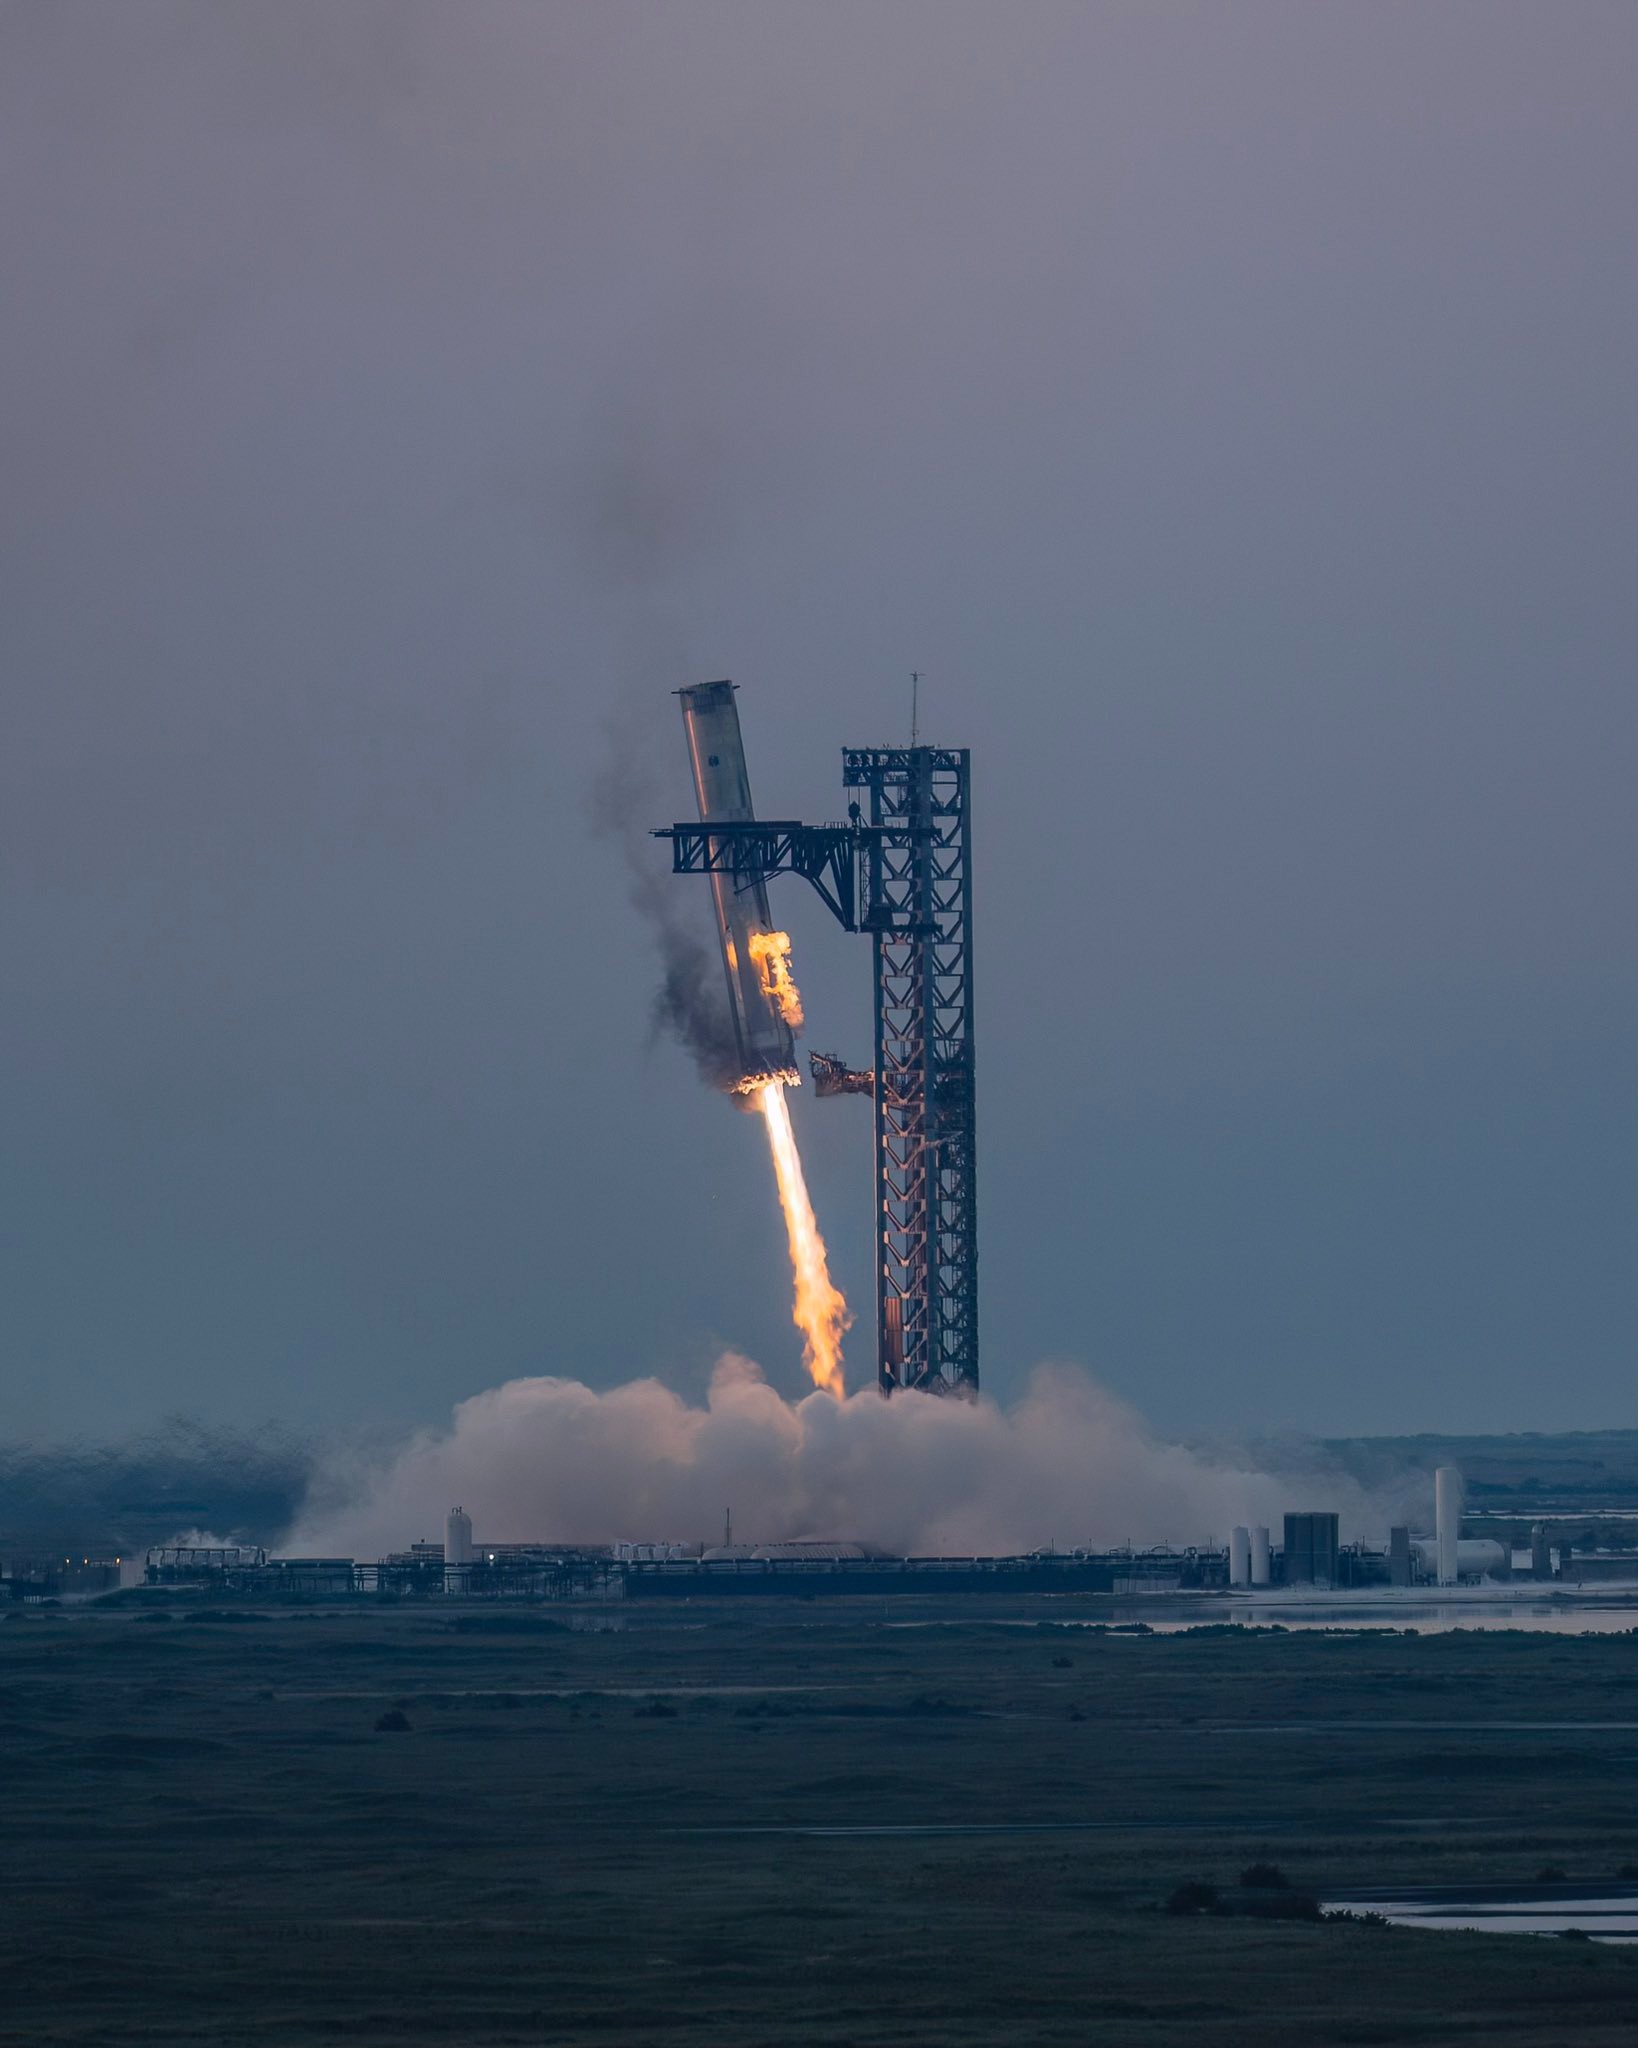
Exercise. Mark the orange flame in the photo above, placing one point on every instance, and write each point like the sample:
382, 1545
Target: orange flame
818, 1310
772, 953
753, 1084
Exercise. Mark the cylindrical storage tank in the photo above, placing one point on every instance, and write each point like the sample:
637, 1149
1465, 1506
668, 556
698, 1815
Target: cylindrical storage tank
1477, 1557
1447, 1522
1260, 1573
457, 1551
761, 995
1239, 1557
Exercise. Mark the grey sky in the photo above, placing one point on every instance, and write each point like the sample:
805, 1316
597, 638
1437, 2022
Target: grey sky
1232, 410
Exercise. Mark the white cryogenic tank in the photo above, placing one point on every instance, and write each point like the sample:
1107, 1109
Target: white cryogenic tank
1239, 1556
457, 1550
1260, 1574
1477, 1557
761, 996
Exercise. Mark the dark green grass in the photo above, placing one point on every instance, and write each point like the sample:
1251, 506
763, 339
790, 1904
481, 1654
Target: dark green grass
204, 1839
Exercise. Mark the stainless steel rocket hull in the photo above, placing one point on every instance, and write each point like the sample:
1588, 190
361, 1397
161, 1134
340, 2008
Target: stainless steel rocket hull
722, 789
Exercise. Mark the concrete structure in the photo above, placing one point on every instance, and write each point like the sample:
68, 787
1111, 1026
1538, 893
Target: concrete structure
1399, 1555
1541, 1556
1239, 1556
1447, 1522
1311, 1549
1261, 1568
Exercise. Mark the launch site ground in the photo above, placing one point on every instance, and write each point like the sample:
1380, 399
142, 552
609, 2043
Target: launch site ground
804, 1823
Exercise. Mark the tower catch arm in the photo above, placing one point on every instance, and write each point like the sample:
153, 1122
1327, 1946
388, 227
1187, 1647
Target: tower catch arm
828, 856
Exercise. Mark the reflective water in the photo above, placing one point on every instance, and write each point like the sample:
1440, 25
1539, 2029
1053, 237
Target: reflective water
1598, 1614
1607, 1916
1601, 1614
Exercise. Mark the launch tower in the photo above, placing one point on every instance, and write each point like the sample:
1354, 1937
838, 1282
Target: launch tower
918, 910
899, 870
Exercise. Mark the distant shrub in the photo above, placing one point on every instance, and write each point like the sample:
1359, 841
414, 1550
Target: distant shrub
393, 1722
655, 1710
1282, 1906
1550, 1873
1628, 1872
1075, 1714
1574, 1934
508, 1624
1063, 1663
1267, 1877
1193, 1897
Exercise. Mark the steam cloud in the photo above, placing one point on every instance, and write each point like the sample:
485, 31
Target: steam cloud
551, 1459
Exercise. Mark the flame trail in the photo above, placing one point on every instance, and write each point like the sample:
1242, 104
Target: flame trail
818, 1310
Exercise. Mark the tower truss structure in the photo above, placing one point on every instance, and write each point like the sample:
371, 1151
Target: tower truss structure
918, 910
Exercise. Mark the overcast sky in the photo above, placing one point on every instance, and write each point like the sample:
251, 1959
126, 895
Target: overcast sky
1231, 410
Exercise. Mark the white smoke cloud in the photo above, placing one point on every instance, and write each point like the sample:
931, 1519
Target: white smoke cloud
553, 1460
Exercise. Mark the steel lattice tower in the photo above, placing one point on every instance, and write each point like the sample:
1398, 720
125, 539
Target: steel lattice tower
917, 904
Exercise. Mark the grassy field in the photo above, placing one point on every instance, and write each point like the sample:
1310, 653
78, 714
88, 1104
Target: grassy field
785, 1823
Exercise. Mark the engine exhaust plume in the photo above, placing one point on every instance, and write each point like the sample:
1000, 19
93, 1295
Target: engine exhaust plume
818, 1308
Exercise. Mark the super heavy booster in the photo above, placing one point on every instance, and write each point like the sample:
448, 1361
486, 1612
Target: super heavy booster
750, 947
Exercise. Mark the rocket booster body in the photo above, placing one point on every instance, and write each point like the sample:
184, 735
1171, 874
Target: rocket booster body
723, 790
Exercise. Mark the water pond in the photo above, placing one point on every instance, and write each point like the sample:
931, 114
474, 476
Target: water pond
1565, 1614
1564, 1910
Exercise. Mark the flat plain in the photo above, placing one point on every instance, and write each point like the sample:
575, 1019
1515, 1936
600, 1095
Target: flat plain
830, 1821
